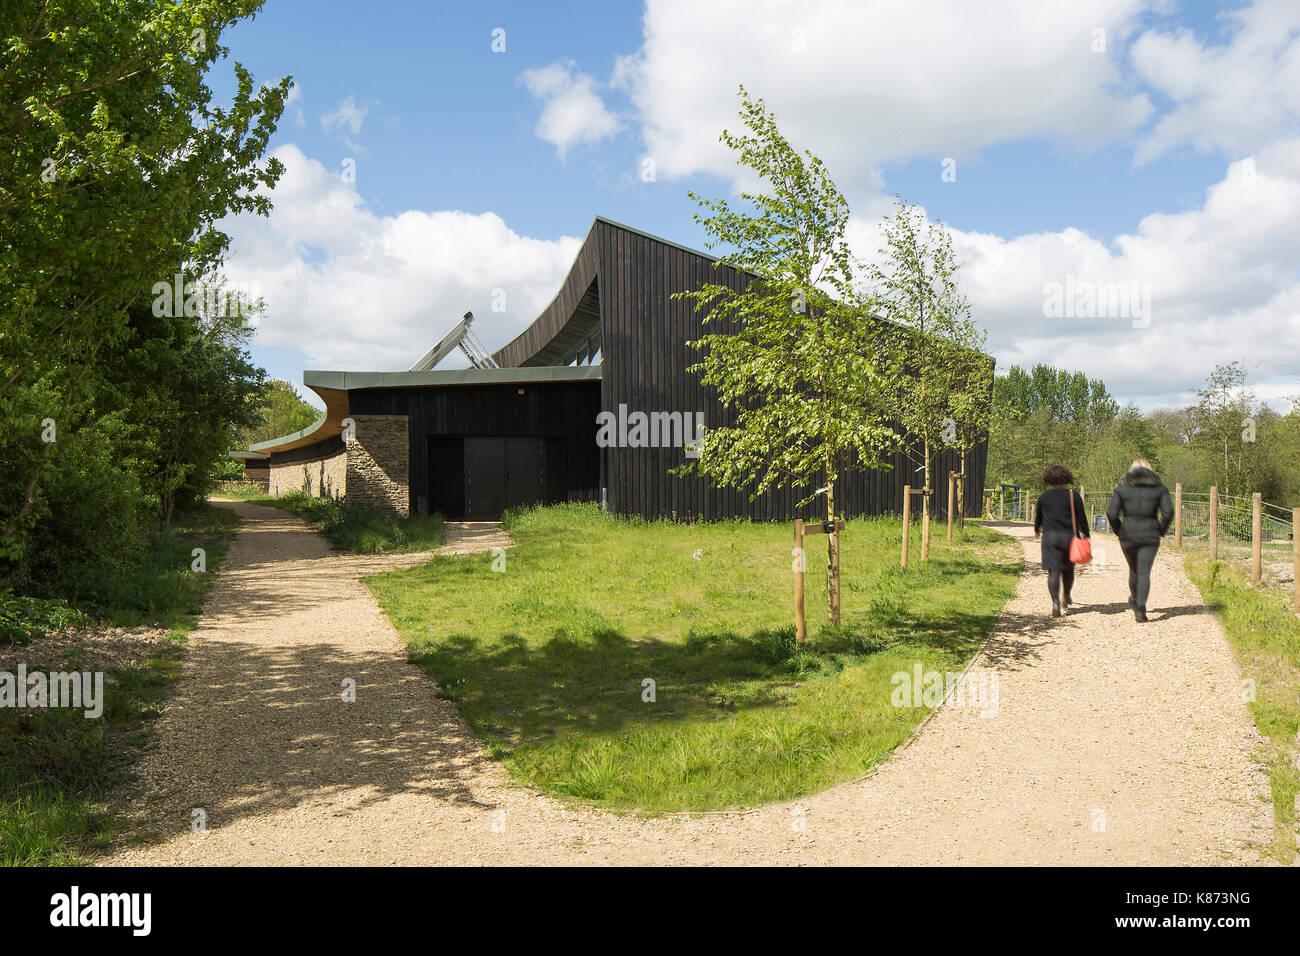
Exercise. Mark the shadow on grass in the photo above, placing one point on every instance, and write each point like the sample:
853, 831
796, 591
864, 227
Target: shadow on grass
513, 691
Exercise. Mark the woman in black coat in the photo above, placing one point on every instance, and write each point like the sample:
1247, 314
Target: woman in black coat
1140, 513
1052, 521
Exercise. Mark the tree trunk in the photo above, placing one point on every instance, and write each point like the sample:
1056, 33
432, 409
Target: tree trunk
925, 508
832, 555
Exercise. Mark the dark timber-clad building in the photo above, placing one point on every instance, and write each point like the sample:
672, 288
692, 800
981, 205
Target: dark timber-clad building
521, 425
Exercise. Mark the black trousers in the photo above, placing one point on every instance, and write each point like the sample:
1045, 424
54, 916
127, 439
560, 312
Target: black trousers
1140, 557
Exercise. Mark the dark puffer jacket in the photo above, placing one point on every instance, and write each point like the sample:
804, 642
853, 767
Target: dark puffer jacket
1134, 507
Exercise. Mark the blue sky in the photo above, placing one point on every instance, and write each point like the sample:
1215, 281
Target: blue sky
1103, 164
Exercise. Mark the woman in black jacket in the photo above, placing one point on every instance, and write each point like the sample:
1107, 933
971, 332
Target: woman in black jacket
1140, 513
1052, 521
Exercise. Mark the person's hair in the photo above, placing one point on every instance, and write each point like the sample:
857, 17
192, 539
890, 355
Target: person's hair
1140, 463
1057, 475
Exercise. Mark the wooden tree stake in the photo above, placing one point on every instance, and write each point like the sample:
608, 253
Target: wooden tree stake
907, 517
1178, 515
1256, 537
800, 562
1214, 522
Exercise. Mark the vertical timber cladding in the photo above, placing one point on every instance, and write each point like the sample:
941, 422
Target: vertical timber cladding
645, 358
563, 410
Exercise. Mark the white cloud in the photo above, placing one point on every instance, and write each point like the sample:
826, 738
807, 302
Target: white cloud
1234, 97
573, 112
354, 290
346, 121
349, 115
864, 83
1224, 280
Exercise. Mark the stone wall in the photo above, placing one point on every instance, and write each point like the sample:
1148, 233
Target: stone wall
321, 475
379, 464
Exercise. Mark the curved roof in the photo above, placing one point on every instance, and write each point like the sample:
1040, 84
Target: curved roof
567, 330
567, 324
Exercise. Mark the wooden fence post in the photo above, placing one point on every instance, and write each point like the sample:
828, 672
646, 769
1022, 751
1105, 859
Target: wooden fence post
1295, 559
800, 562
907, 518
1256, 537
1214, 522
1002, 504
1178, 515
961, 496
952, 489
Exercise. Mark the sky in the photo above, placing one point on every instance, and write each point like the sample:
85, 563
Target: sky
1121, 178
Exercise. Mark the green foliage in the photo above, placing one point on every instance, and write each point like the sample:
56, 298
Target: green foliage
547, 660
281, 412
1051, 416
942, 380
57, 769
1265, 638
24, 618
115, 169
1062, 396
1226, 419
792, 355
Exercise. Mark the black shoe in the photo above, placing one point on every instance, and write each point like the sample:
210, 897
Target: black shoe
1056, 609
1140, 614
1066, 602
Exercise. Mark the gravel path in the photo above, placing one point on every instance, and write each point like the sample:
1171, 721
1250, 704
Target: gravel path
1111, 743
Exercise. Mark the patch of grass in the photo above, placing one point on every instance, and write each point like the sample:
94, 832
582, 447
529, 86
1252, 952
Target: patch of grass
243, 490
550, 660
357, 529
57, 767
1265, 637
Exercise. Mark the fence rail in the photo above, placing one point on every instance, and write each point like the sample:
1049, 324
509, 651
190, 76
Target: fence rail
1225, 524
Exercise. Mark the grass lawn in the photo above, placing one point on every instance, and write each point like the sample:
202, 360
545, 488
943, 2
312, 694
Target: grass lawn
354, 529
1265, 638
549, 658
58, 769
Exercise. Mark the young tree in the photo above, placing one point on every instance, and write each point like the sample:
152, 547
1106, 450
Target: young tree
792, 356
1225, 428
915, 282
971, 413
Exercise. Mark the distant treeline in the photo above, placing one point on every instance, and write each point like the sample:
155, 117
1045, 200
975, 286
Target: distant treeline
1228, 438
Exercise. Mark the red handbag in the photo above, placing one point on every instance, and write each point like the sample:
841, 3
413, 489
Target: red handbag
1080, 548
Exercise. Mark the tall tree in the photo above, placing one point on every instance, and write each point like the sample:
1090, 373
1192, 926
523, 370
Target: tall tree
1226, 428
115, 168
792, 356
915, 282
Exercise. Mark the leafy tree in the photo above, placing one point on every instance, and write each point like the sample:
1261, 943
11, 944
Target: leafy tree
942, 377
115, 168
1226, 418
281, 411
189, 387
791, 355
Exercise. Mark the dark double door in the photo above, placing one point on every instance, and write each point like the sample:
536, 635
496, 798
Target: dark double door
478, 477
